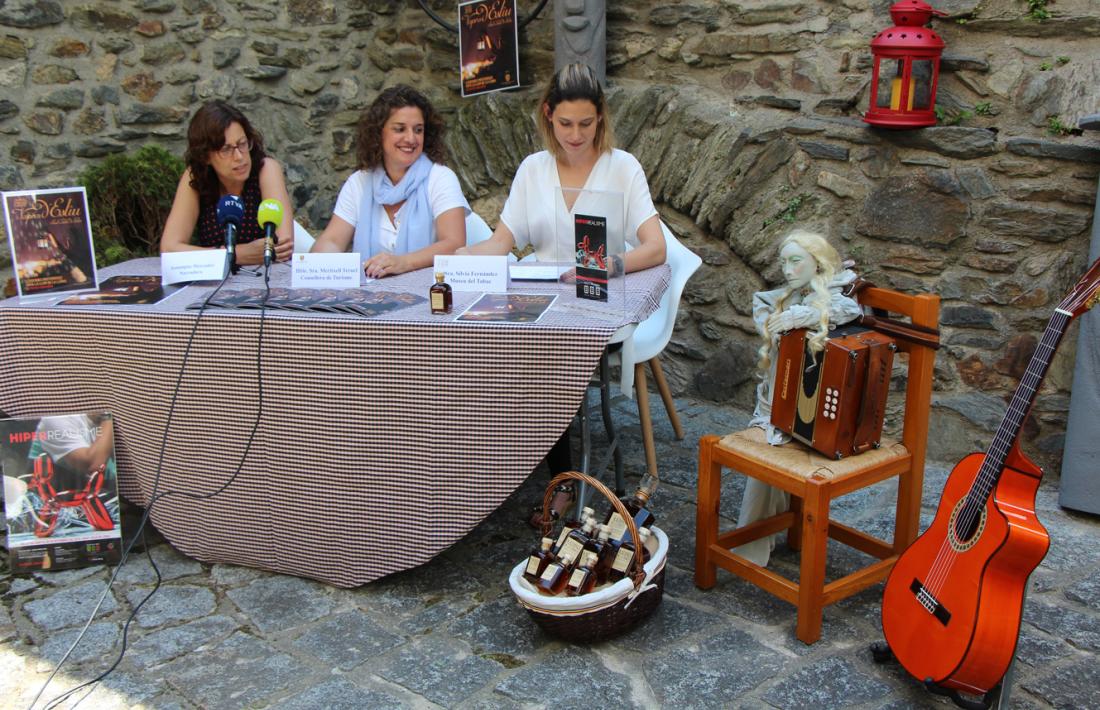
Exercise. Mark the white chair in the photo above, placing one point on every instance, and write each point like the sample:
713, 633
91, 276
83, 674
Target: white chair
476, 229
303, 240
649, 340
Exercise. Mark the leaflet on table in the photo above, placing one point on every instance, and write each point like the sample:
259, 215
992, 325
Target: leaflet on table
124, 290
196, 265
480, 274
51, 240
508, 308
353, 301
60, 514
488, 46
326, 270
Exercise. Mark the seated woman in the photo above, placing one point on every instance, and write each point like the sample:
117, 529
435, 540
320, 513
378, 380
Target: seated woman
225, 156
575, 126
403, 206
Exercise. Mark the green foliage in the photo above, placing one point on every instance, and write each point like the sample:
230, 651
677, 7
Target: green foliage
1056, 127
951, 118
789, 211
129, 197
1037, 10
1062, 60
983, 108
1046, 66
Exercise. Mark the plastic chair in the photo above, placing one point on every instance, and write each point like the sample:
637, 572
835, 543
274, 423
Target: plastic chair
303, 240
813, 481
476, 229
649, 340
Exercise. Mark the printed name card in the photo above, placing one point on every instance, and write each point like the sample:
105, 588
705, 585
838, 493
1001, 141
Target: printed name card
483, 274
199, 265
326, 270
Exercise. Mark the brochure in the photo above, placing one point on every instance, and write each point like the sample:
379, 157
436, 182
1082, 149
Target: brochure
488, 46
590, 238
124, 290
508, 308
60, 491
354, 301
51, 240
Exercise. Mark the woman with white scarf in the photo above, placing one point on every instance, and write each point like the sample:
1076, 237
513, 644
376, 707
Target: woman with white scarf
403, 206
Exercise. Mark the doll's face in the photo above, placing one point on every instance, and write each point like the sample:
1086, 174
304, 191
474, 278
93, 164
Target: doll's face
799, 266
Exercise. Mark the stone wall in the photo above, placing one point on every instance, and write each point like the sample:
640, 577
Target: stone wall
745, 114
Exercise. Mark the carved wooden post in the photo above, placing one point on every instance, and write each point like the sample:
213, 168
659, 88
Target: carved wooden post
580, 35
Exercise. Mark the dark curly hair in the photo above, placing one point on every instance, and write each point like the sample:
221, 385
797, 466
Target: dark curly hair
205, 134
369, 138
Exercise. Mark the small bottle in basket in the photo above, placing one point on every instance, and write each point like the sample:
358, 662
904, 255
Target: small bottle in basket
636, 506
583, 578
605, 555
570, 526
577, 540
539, 559
625, 556
440, 295
556, 574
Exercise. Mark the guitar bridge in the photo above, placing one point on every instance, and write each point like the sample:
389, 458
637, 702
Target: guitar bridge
932, 605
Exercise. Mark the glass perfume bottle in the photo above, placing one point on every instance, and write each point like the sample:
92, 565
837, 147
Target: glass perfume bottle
625, 556
605, 553
539, 559
570, 526
556, 574
636, 506
577, 539
440, 295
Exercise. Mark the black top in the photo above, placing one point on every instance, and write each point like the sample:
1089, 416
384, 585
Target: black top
212, 235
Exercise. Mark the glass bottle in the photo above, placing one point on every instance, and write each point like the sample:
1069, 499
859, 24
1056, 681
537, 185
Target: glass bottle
440, 295
583, 578
556, 574
570, 526
577, 540
539, 559
620, 566
605, 555
636, 506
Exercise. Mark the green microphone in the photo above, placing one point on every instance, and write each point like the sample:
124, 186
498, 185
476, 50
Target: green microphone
270, 216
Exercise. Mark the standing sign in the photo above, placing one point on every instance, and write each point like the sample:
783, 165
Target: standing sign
51, 240
591, 242
488, 45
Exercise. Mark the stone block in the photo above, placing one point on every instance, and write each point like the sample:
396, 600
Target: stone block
1079, 152
101, 17
953, 141
31, 14
68, 48
162, 54
162, 645
69, 606
588, 678
347, 640
97, 643
171, 604
1039, 223
64, 99
906, 209
54, 74
281, 602
48, 123
439, 669
830, 682
262, 72
338, 693
824, 151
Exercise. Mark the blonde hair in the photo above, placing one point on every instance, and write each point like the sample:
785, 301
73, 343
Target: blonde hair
574, 82
828, 265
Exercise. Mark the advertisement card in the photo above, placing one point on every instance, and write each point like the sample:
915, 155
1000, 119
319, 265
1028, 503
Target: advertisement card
508, 308
488, 46
124, 290
60, 491
591, 245
50, 237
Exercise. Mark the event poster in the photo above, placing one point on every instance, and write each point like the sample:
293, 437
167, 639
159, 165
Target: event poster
488, 46
124, 290
51, 240
508, 308
60, 491
590, 237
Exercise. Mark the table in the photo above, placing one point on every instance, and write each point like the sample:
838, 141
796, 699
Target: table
382, 441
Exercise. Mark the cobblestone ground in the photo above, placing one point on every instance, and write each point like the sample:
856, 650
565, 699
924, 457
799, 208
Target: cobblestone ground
449, 634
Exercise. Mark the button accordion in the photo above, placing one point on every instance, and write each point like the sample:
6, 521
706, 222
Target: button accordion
835, 400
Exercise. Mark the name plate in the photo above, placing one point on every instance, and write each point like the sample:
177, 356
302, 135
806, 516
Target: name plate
326, 270
198, 265
484, 274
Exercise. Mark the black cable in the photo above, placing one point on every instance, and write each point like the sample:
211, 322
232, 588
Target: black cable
155, 497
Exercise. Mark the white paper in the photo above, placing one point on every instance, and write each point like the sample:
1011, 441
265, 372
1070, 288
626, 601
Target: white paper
538, 272
197, 265
325, 270
483, 274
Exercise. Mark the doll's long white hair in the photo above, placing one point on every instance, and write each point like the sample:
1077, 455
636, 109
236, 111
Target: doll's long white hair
828, 264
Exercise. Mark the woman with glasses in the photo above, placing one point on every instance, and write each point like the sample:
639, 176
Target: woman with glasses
403, 206
225, 156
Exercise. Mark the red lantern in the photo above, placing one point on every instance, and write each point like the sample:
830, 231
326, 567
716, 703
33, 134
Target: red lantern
907, 68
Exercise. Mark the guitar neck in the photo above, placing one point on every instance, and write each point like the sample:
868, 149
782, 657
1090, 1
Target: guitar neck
1022, 399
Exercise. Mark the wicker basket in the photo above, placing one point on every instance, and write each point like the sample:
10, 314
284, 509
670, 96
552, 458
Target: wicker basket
608, 611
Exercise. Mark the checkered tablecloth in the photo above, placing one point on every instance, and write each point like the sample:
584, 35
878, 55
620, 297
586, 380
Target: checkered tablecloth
381, 441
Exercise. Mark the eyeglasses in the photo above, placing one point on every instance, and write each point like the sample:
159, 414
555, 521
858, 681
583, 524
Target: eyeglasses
243, 145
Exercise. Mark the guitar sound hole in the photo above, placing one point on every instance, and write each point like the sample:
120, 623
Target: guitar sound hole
967, 523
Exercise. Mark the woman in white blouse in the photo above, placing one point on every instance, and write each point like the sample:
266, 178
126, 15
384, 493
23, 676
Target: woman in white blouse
575, 126
403, 206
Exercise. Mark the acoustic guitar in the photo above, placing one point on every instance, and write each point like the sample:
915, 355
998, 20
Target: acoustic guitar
953, 601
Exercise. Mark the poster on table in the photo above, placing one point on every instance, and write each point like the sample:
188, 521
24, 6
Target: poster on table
488, 46
50, 237
590, 240
124, 290
60, 491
